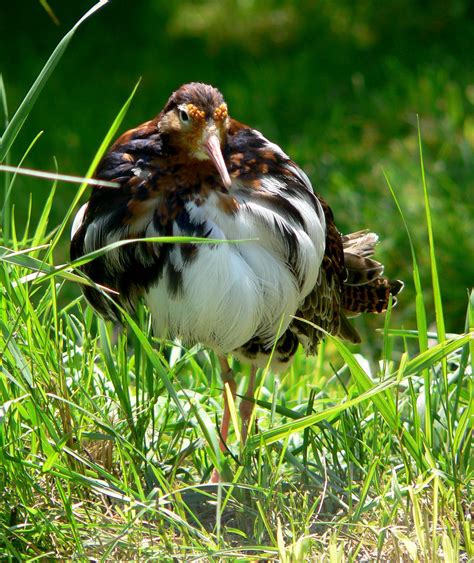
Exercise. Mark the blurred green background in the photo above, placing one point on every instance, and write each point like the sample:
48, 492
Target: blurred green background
338, 84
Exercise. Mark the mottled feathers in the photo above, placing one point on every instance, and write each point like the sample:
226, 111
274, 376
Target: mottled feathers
194, 171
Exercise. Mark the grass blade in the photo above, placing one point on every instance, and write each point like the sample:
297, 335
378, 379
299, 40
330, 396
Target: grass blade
3, 100
434, 269
420, 318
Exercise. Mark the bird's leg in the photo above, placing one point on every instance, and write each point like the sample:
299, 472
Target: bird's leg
247, 406
227, 377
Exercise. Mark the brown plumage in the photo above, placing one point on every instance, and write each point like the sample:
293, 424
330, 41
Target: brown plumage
194, 171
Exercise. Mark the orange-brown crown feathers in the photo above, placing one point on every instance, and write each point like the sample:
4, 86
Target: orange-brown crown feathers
203, 97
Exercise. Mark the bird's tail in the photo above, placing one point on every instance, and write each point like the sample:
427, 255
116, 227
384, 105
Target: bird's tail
365, 289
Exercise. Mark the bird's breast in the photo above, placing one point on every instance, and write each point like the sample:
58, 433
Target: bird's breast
247, 281
266, 239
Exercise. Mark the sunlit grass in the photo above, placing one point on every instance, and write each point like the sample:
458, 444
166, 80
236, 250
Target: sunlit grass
100, 457
108, 438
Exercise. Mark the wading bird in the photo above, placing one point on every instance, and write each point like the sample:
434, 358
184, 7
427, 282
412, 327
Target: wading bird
195, 171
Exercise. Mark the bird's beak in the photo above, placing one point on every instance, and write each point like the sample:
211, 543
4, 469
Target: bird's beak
213, 148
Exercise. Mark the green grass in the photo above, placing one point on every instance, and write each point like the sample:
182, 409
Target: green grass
107, 441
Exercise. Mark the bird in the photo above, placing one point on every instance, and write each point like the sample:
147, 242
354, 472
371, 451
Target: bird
286, 276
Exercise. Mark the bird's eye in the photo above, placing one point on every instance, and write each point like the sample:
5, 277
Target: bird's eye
183, 115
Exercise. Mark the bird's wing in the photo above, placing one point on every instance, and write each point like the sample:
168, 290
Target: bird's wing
264, 166
277, 182
276, 188
126, 212
323, 307
351, 283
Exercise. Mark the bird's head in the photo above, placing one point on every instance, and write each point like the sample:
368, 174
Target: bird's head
196, 121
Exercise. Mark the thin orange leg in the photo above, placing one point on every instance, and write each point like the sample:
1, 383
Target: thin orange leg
227, 377
247, 407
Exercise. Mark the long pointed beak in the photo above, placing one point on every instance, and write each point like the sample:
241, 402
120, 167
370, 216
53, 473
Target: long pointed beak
213, 148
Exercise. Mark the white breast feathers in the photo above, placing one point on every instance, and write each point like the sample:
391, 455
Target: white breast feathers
234, 291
